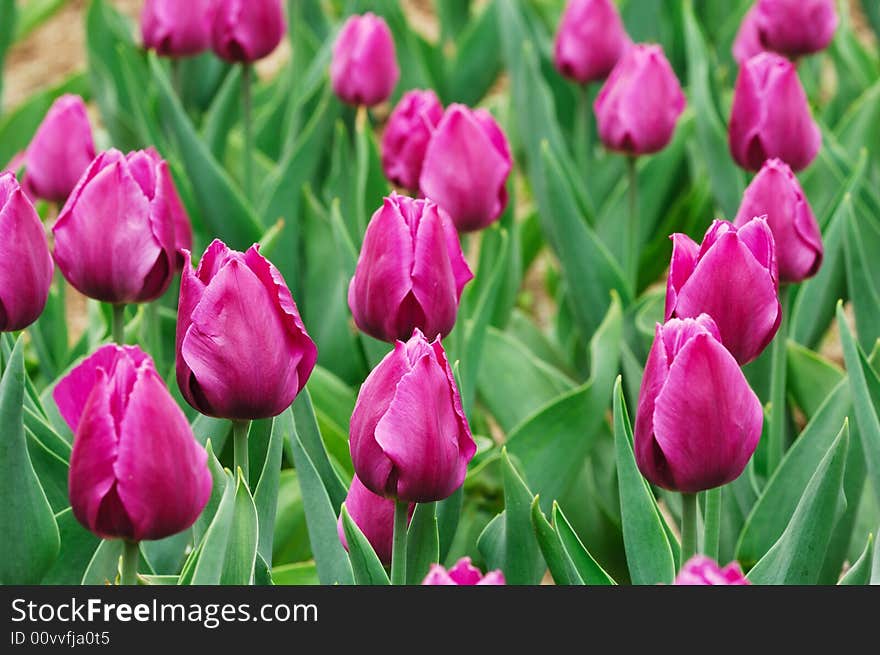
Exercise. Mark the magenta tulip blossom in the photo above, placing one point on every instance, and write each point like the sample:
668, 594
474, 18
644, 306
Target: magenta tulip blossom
136, 470
242, 350
748, 41
698, 421
410, 439
639, 105
364, 67
176, 28
702, 570
374, 516
732, 276
246, 30
590, 40
466, 167
462, 574
406, 137
796, 27
776, 194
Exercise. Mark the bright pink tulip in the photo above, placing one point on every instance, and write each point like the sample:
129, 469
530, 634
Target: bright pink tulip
698, 421
462, 574
796, 27
590, 40
776, 194
410, 439
466, 167
374, 515
406, 137
748, 42
639, 105
702, 570
242, 349
136, 471
732, 277
246, 30
770, 116
176, 28
364, 67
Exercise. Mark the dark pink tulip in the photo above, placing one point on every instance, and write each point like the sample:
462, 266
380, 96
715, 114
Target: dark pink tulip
639, 105
748, 43
246, 30
374, 515
796, 27
136, 471
410, 272
364, 67
410, 439
770, 116
466, 167
25, 263
590, 40
406, 137
242, 350
698, 421
462, 574
776, 194
176, 28
702, 570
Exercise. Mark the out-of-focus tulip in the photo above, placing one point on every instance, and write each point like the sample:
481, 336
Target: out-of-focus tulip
466, 167
796, 27
698, 421
406, 137
176, 28
462, 574
770, 116
25, 263
410, 272
374, 515
732, 276
748, 43
410, 439
136, 470
242, 350
590, 39
776, 194
246, 30
702, 570
639, 105
364, 67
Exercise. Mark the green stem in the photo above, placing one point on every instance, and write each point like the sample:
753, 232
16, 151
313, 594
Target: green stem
240, 443
118, 326
130, 558
583, 131
631, 238
246, 107
776, 434
398, 553
712, 522
176, 78
688, 526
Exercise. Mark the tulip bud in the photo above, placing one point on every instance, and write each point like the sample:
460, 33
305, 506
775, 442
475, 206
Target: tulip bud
748, 42
136, 470
639, 104
462, 574
374, 516
590, 40
770, 116
176, 28
410, 439
466, 167
796, 27
406, 137
410, 272
698, 421
25, 263
246, 30
242, 350
776, 194
702, 570
364, 67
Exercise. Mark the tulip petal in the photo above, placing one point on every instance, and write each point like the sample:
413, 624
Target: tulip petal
438, 577
374, 515
649, 457
747, 43
758, 238
685, 252
433, 279
465, 573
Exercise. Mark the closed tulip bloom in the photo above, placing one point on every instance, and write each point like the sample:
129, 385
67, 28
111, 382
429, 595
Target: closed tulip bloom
242, 350
364, 67
462, 574
639, 105
796, 27
466, 167
776, 194
702, 570
406, 137
410, 272
374, 516
176, 28
590, 40
698, 421
410, 439
748, 42
136, 470
246, 30
25, 263
770, 116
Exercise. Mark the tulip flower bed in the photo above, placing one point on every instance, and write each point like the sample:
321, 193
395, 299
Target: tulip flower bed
452, 293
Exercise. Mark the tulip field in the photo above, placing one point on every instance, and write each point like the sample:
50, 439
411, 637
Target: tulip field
462, 292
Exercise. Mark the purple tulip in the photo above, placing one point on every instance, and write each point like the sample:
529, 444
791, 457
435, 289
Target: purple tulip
410, 272
177, 28
466, 167
364, 67
374, 515
796, 27
242, 350
590, 40
639, 105
25, 263
410, 439
748, 42
136, 471
462, 574
776, 194
702, 570
246, 30
698, 421
406, 137
770, 116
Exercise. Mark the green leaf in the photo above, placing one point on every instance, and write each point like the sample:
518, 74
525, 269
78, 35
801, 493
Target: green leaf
523, 563
560, 565
8, 20
103, 568
309, 435
266, 491
477, 61
861, 239
365, 563
51, 469
218, 491
422, 543
223, 113
300, 573
78, 546
860, 572
811, 378
588, 568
